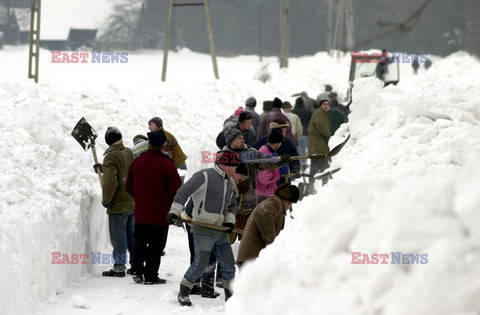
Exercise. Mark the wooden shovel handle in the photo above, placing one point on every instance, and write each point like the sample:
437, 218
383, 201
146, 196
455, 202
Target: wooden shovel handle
94, 152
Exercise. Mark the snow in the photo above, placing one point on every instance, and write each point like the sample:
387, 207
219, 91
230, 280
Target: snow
409, 180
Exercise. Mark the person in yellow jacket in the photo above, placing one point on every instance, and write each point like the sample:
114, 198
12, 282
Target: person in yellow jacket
171, 147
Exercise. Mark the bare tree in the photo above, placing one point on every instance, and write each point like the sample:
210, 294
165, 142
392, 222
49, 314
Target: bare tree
121, 28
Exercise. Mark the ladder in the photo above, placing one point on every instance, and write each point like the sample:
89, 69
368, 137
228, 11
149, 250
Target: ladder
33, 54
169, 29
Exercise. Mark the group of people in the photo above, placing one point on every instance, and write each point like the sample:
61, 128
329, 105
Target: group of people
244, 196
306, 128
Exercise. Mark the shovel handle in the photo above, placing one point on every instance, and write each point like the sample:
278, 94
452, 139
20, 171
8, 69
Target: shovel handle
94, 152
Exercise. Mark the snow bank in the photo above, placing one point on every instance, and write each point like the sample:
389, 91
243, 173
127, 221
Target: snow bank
409, 183
50, 197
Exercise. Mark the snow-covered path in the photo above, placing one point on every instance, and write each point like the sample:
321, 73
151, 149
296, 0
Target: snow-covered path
94, 294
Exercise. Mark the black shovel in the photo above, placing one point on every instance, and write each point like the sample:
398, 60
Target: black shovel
86, 135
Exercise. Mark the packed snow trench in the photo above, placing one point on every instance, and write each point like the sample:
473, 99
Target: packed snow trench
408, 187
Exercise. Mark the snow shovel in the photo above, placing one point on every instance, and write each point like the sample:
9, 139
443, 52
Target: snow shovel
339, 147
86, 135
208, 225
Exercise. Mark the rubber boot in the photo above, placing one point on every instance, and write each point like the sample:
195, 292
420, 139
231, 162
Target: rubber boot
227, 289
183, 296
208, 291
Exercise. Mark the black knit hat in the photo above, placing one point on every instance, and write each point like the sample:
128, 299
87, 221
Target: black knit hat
230, 134
251, 102
227, 158
244, 116
157, 121
275, 136
277, 103
288, 192
112, 135
156, 138
242, 169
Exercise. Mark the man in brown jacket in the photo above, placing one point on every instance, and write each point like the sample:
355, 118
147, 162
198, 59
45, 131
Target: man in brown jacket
118, 202
266, 222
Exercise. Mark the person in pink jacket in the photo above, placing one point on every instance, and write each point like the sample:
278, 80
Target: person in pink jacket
267, 180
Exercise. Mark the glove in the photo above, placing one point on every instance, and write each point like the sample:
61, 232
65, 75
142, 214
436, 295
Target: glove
283, 170
172, 218
285, 158
99, 166
229, 226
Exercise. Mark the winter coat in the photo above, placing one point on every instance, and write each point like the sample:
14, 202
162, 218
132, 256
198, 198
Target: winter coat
246, 200
337, 117
287, 147
152, 181
116, 161
213, 197
172, 148
267, 180
255, 120
248, 135
263, 226
319, 133
304, 114
276, 113
297, 128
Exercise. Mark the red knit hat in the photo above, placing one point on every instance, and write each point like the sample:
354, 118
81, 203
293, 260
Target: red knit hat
238, 111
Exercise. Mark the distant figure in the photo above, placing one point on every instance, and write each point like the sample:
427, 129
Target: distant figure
428, 64
267, 179
276, 113
297, 128
267, 108
171, 147
333, 100
324, 95
244, 124
287, 146
305, 116
318, 136
308, 101
336, 116
415, 65
382, 65
250, 104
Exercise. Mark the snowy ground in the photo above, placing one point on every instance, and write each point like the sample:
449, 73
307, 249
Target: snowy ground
409, 182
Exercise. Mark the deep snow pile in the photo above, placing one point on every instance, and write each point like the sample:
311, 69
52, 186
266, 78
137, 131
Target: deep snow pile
409, 184
49, 193
408, 181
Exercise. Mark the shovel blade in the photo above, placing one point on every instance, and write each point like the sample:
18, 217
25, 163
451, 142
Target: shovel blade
339, 147
84, 134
